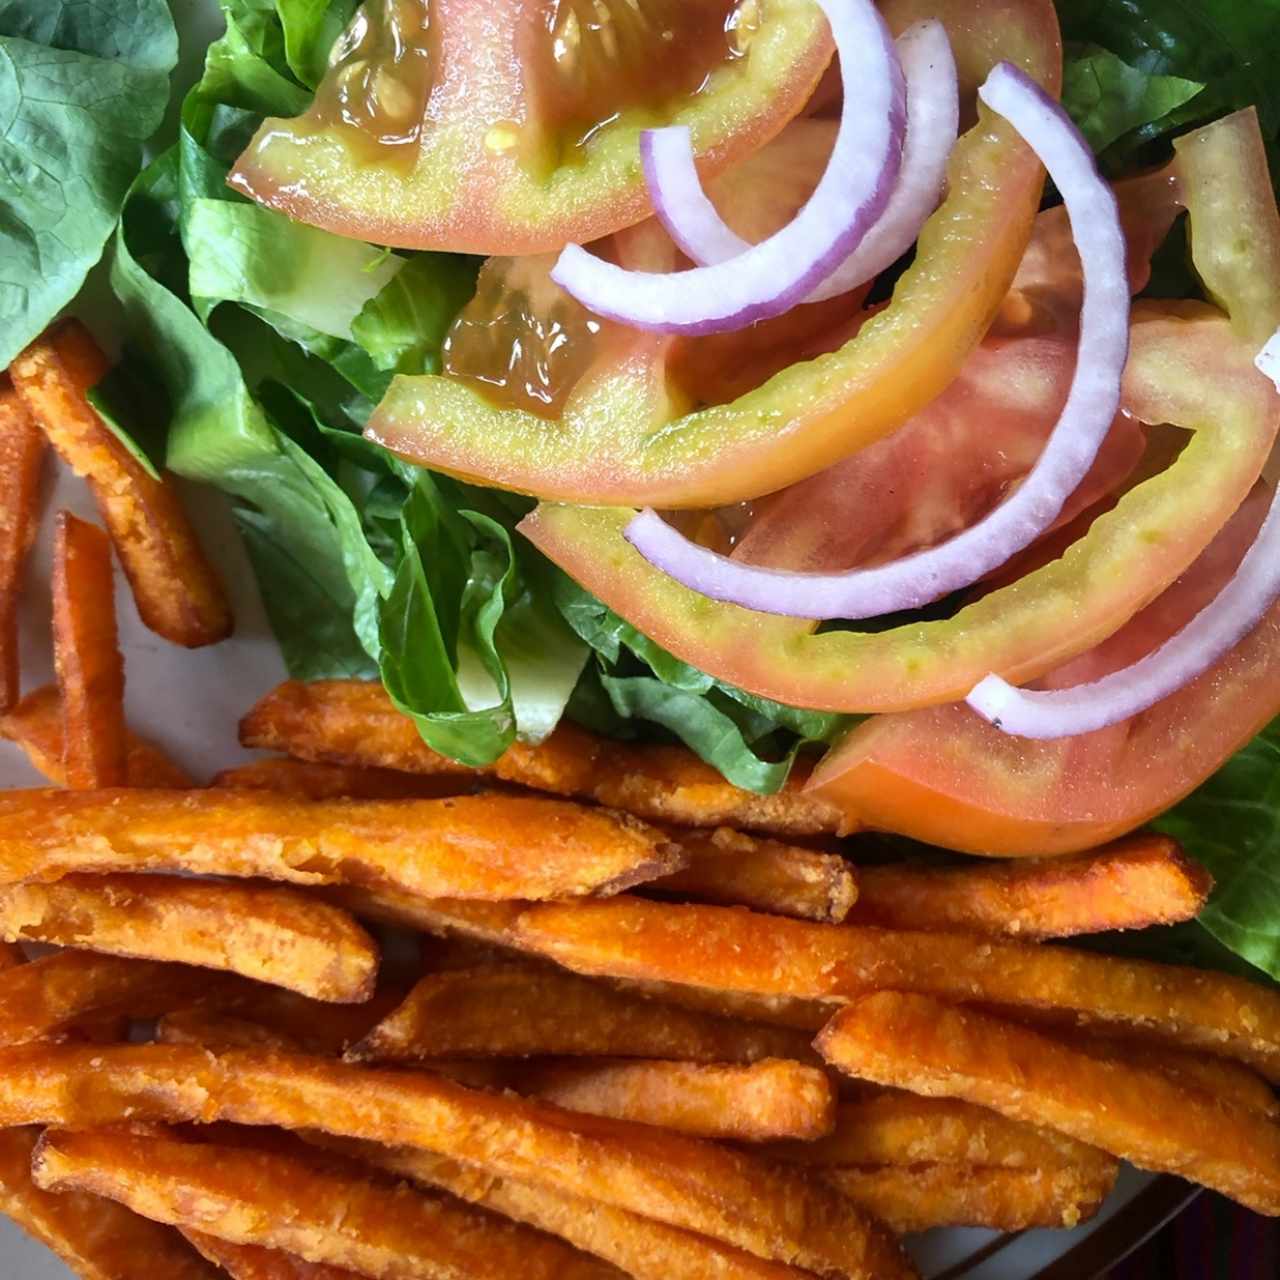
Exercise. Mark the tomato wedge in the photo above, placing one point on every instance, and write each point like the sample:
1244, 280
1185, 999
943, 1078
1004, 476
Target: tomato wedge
606, 448
1185, 368
512, 126
945, 775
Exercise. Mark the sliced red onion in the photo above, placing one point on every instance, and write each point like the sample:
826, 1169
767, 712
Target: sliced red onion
774, 275
1086, 417
933, 122
1268, 359
1207, 638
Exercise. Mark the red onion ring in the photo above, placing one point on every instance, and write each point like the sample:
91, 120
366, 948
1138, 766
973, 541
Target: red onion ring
1092, 403
1268, 359
774, 275
1207, 638
933, 122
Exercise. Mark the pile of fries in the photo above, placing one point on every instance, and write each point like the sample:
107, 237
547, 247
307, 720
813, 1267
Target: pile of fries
649, 1025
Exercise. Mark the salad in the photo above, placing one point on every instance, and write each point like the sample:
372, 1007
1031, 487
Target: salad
649, 367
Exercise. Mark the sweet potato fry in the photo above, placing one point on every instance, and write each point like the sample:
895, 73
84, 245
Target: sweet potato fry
177, 592
35, 724
889, 1127
957, 1195
354, 722
310, 780
1137, 882
917, 1043
97, 1239
332, 1215
682, 1181
488, 847
489, 922
516, 1010
730, 949
22, 450
272, 934
10, 955
87, 657
253, 1262
642, 1247
48, 995
767, 875
774, 1098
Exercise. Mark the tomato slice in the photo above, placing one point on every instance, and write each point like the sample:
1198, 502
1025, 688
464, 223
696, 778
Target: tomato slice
1186, 368
943, 774
604, 448
512, 126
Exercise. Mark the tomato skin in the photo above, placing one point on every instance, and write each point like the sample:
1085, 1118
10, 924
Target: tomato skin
946, 776
603, 451
467, 188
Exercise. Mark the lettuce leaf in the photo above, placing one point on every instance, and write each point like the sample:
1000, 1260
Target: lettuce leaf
82, 87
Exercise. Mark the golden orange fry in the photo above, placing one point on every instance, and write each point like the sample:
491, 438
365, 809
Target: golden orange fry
916, 1043
488, 847
355, 723
87, 657
272, 934
487, 922
22, 450
98, 1239
177, 592
685, 1182
35, 724
771, 1099
738, 870
10, 956
889, 1127
642, 1247
326, 1214
516, 1010
311, 780
956, 1195
730, 949
1137, 882
253, 1262
48, 995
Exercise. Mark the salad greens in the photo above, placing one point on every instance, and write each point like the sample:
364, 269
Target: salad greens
272, 342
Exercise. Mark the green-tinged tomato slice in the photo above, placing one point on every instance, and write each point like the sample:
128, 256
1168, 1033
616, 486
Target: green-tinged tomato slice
1185, 368
512, 126
609, 447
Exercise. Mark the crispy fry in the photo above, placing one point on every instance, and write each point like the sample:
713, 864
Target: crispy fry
354, 722
641, 1247
917, 1043
683, 1181
22, 450
10, 956
48, 995
35, 724
265, 932
516, 1010
177, 592
87, 657
738, 870
956, 1195
489, 847
490, 922
1134, 883
97, 1239
253, 1262
893, 1128
310, 780
730, 949
327, 1214
774, 1098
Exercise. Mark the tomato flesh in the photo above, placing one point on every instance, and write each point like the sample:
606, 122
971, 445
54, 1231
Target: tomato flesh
605, 450
511, 126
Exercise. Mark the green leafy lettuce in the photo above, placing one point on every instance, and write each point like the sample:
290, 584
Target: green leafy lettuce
82, 87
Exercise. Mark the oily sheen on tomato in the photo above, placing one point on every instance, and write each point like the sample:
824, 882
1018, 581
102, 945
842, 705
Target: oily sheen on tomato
607, 446
512, 126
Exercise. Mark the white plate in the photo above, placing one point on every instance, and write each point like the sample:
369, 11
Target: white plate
189, 702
